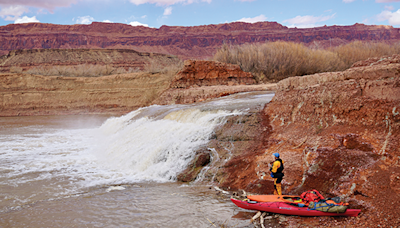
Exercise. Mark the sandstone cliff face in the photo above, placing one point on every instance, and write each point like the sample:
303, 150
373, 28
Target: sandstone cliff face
26, 59
196, 42
338, 133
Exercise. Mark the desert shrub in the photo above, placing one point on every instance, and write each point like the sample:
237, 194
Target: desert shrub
273, 61
361, 50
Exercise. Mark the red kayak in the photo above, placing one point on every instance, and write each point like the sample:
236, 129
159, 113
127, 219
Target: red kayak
286, 208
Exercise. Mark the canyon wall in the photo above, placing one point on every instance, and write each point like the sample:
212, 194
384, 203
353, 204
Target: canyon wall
195, 42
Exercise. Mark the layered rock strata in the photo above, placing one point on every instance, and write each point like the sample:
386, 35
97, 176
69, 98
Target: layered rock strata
24, 94
196, 73
198, 42
116, 58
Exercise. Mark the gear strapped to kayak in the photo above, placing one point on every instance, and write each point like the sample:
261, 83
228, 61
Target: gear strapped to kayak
311, 196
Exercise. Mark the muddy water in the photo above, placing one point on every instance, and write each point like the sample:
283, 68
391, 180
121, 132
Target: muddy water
138, 205
102, 171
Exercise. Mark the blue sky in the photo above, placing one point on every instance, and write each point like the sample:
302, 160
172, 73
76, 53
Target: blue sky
155, 13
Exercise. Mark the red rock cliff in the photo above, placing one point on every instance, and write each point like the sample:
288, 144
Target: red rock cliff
208, 73
186, 42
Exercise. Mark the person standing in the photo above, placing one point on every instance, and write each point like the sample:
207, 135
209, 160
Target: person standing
276, 173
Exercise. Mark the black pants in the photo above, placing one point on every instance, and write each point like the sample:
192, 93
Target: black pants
279, 177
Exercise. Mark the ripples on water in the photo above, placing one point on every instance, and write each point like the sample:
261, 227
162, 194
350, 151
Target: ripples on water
57, 170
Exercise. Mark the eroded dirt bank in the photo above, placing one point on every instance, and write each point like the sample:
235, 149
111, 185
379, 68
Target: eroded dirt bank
26, 95
337, 132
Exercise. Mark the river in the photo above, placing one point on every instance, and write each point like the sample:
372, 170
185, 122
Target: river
115, 171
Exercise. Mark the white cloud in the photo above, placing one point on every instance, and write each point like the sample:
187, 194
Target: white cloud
143, 17
107, 21
136, 23
166, 2
392, 17
47, 4
84, 20
307, 21
26, 19
253, 19
12, 10
167, 11
348, 1
12, 13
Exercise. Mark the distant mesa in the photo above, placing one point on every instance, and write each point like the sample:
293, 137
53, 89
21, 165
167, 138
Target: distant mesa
194, 42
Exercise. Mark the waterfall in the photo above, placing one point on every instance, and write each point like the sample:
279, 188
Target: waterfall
154, 148
70, 154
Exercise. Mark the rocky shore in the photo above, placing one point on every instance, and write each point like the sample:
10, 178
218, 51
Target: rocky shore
337, 132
